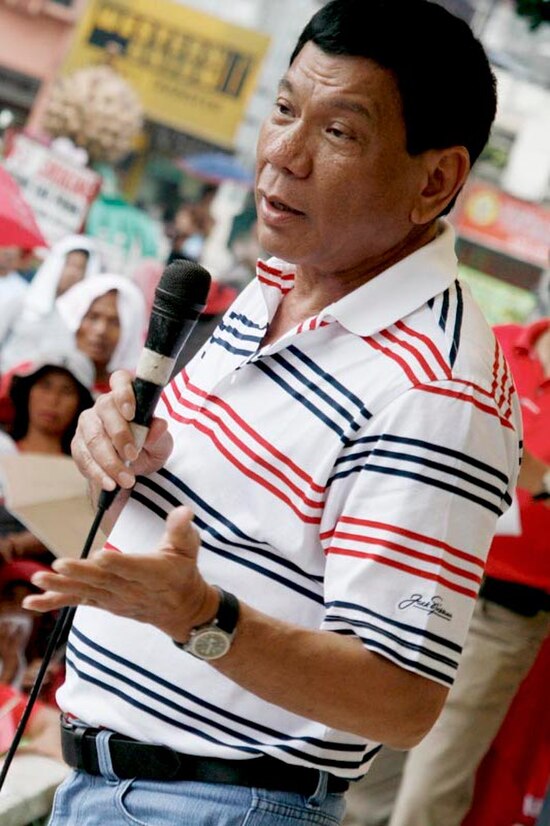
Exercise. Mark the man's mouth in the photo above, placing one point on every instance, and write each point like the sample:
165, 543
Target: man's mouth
281, 206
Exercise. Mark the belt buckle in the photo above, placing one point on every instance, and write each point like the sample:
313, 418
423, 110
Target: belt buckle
72, 746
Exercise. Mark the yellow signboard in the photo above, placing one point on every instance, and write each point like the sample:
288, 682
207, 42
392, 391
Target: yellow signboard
192, 71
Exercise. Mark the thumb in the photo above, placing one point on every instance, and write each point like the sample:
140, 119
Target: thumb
180, 535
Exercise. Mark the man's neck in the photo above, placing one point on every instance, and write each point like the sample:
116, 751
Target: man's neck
314, 290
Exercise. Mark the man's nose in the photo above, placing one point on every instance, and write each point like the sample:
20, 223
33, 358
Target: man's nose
288, 149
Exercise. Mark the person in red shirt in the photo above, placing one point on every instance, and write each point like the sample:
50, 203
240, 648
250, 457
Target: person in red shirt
511, 618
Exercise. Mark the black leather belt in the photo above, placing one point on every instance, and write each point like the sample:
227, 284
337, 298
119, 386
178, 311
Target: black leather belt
521, 599
132, 758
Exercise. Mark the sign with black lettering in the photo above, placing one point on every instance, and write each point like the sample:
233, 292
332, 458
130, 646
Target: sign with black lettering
59, 193
192, 71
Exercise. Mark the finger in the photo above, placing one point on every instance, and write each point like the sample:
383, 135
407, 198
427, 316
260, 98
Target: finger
50, 601
180, 534
156, 449
88, 467
123, 393
116, 427
94, 450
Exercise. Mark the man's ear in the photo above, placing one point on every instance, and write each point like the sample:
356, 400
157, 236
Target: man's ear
445, 173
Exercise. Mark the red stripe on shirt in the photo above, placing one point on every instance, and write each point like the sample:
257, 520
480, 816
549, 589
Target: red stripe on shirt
387, 352
235, 462
108, 546
277, 286
429, 344
247, 451
413, 351
281, 457
418, 537
407, 568
274, 271
462, 397
394, 546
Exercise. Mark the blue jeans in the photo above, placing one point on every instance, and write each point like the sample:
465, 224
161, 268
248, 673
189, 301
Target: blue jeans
97, 800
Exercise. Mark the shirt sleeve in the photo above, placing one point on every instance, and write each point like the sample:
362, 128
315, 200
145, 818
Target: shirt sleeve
411, 513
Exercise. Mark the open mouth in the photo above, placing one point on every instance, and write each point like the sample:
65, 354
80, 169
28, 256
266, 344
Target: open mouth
280, 206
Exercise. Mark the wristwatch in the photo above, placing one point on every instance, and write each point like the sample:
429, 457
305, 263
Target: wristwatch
545, 492
213, 639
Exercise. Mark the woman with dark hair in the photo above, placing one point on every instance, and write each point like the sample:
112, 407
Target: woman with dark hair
47, 396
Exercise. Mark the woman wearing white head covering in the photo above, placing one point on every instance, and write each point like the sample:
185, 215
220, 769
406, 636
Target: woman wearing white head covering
71, 260
106, 315
61, 270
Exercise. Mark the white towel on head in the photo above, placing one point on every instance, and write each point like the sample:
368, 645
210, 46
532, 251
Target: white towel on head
41, 294
73, 305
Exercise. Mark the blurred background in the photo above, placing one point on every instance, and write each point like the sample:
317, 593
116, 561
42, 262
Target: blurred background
164, 100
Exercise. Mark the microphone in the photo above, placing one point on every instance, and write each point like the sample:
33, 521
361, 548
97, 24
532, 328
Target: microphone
180, 297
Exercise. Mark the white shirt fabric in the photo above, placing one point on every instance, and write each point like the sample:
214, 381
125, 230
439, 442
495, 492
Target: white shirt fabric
346, 477
12, 294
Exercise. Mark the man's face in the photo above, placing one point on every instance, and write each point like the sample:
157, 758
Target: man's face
335, 184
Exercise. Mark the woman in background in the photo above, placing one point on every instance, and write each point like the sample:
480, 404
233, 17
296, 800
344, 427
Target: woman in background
47, 398
70, 261
106, 315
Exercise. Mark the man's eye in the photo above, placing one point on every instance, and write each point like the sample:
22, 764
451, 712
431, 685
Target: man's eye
339, 133
282, 108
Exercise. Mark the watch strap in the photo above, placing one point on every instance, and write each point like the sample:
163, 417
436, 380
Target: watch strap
227, 615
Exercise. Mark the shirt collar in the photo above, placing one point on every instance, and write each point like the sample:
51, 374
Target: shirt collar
401, 289
391, 295
528, 336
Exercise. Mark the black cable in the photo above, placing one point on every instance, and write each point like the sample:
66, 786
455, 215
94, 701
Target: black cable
60, 630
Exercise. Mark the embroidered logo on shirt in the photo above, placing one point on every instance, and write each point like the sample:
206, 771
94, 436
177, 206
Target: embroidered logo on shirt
431, 605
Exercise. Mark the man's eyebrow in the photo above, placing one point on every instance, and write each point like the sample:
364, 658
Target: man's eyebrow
285, 84
336, 103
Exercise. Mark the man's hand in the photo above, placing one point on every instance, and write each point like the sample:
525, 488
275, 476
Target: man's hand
163, 588
104, 445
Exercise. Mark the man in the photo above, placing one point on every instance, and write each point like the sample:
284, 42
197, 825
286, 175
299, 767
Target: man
346, 439
511, 618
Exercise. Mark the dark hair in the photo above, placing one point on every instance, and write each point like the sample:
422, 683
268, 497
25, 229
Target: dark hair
20, 392
447, 88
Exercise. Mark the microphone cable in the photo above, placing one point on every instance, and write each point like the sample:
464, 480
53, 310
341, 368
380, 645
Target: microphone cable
59, 633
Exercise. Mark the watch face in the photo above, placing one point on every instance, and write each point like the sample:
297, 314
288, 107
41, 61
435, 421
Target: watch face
210, 644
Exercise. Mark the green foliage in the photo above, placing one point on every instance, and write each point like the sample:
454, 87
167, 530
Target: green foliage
538, 11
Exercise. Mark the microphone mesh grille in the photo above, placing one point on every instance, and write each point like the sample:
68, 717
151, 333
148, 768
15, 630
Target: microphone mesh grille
183, 282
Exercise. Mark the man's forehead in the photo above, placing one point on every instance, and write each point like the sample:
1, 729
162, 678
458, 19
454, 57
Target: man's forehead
357, 84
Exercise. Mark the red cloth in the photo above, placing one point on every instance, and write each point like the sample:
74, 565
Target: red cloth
526, 558
513, 776
9, 721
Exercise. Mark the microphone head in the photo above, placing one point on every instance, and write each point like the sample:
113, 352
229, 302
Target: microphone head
182, 289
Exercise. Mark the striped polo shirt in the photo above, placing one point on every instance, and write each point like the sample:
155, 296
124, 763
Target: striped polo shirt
346, 477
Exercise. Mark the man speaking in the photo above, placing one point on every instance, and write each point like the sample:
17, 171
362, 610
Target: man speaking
291, 578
